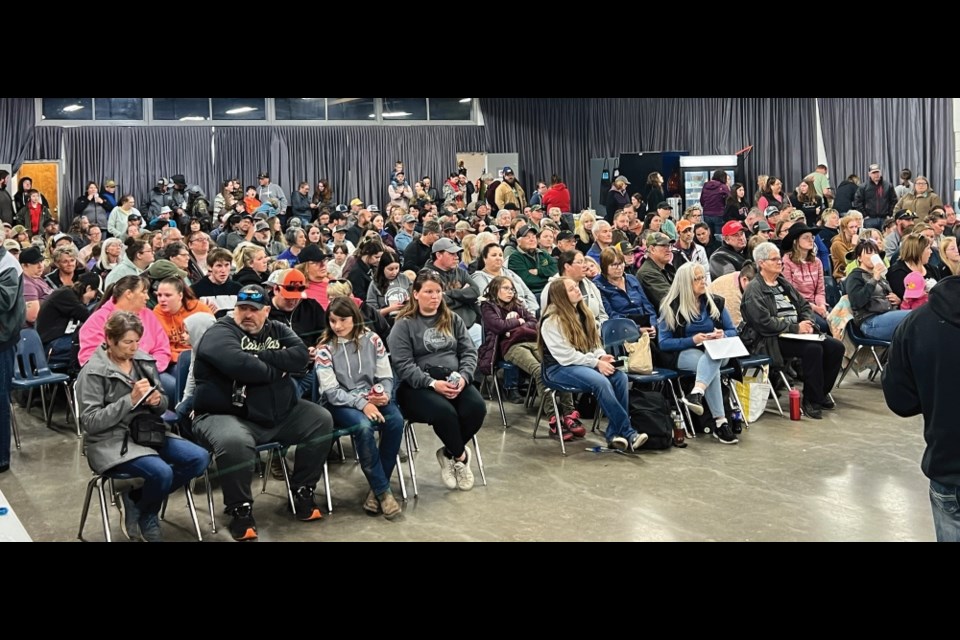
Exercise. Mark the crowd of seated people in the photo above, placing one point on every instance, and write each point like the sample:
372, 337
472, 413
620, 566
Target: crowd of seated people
342, 316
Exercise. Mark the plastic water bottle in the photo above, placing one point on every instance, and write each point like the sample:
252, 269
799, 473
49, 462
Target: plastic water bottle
736, 421
679, 434
794, 403
454, 378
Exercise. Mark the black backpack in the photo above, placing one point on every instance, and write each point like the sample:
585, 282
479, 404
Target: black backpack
650, 414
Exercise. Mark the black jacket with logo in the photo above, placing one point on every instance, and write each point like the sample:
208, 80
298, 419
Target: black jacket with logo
264, 362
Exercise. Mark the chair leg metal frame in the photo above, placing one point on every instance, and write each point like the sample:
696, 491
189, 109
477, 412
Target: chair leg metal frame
14, 427
556, 413
410, 437
876, 358
735, 400
99, 481
679, 396
492, 380
286, 476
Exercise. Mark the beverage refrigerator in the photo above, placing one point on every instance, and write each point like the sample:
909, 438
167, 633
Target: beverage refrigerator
696, 171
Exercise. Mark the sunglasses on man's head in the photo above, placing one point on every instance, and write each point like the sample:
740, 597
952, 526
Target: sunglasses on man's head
299, 287
250, 296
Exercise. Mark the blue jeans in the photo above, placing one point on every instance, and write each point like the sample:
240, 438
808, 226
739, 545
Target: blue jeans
881, 327
60, 350
178, 462
708, 373
715, 223
377, 464
945, 501
872, 222
611, 392
6, 380
168, 382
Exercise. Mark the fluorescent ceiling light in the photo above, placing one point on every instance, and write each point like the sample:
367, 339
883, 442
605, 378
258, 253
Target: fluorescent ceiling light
465, 100
395, 114
186, 118
237, 110
73, 107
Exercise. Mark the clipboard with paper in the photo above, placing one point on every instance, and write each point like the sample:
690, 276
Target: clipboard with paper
810, 337
723, 348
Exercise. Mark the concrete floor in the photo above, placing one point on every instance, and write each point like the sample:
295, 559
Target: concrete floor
854, 475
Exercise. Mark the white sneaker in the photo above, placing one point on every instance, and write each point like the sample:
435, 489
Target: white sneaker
446, 469
619, 443
638, 441
462, 472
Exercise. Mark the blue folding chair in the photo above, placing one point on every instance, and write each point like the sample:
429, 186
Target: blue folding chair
31, 371
553, 388
615, 332
861, 341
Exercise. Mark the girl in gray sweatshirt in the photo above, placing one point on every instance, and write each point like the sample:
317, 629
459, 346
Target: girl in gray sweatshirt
356, 384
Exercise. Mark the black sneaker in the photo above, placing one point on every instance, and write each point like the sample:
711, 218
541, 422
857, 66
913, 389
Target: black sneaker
724, 434
242, 526
811, 410
306, 505
694, 402
827, 403
513, 395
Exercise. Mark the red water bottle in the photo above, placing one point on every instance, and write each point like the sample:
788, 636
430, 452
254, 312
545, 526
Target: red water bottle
794, 403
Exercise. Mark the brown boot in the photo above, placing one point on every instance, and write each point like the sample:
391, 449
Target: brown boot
389, 504
371, 505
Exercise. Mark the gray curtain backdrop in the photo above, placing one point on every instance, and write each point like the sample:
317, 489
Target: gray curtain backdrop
552, 134
17, 118
356, 160
135, 157
896, 133
47, 144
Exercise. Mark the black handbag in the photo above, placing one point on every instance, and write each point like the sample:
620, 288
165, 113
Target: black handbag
147, 429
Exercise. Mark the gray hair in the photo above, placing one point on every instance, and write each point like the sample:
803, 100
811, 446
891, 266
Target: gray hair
765, 251
59, 252
600, 225
682, 290
430, 226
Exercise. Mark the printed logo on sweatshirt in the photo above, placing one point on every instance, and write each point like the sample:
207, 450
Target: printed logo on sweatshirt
378, 343
323, 357
434, 340
249, 344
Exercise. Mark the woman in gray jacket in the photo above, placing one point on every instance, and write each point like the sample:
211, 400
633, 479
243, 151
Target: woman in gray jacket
356, 382
117, 377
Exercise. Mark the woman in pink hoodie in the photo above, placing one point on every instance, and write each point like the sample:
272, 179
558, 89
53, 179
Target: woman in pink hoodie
129, 293
804, 271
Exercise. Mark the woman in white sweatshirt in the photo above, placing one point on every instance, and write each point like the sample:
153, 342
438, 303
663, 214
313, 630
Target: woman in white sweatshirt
573, 357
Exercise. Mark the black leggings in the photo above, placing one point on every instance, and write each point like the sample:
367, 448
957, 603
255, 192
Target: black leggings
454, 421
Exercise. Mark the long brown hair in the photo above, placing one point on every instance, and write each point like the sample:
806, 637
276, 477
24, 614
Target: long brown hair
344, 307
493, 290
412, 310
582, 335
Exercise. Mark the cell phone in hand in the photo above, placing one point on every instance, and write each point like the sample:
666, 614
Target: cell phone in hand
144, 397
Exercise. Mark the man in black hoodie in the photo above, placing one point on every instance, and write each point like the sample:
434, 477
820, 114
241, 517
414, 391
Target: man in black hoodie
917, 380
846, 191
245, 397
